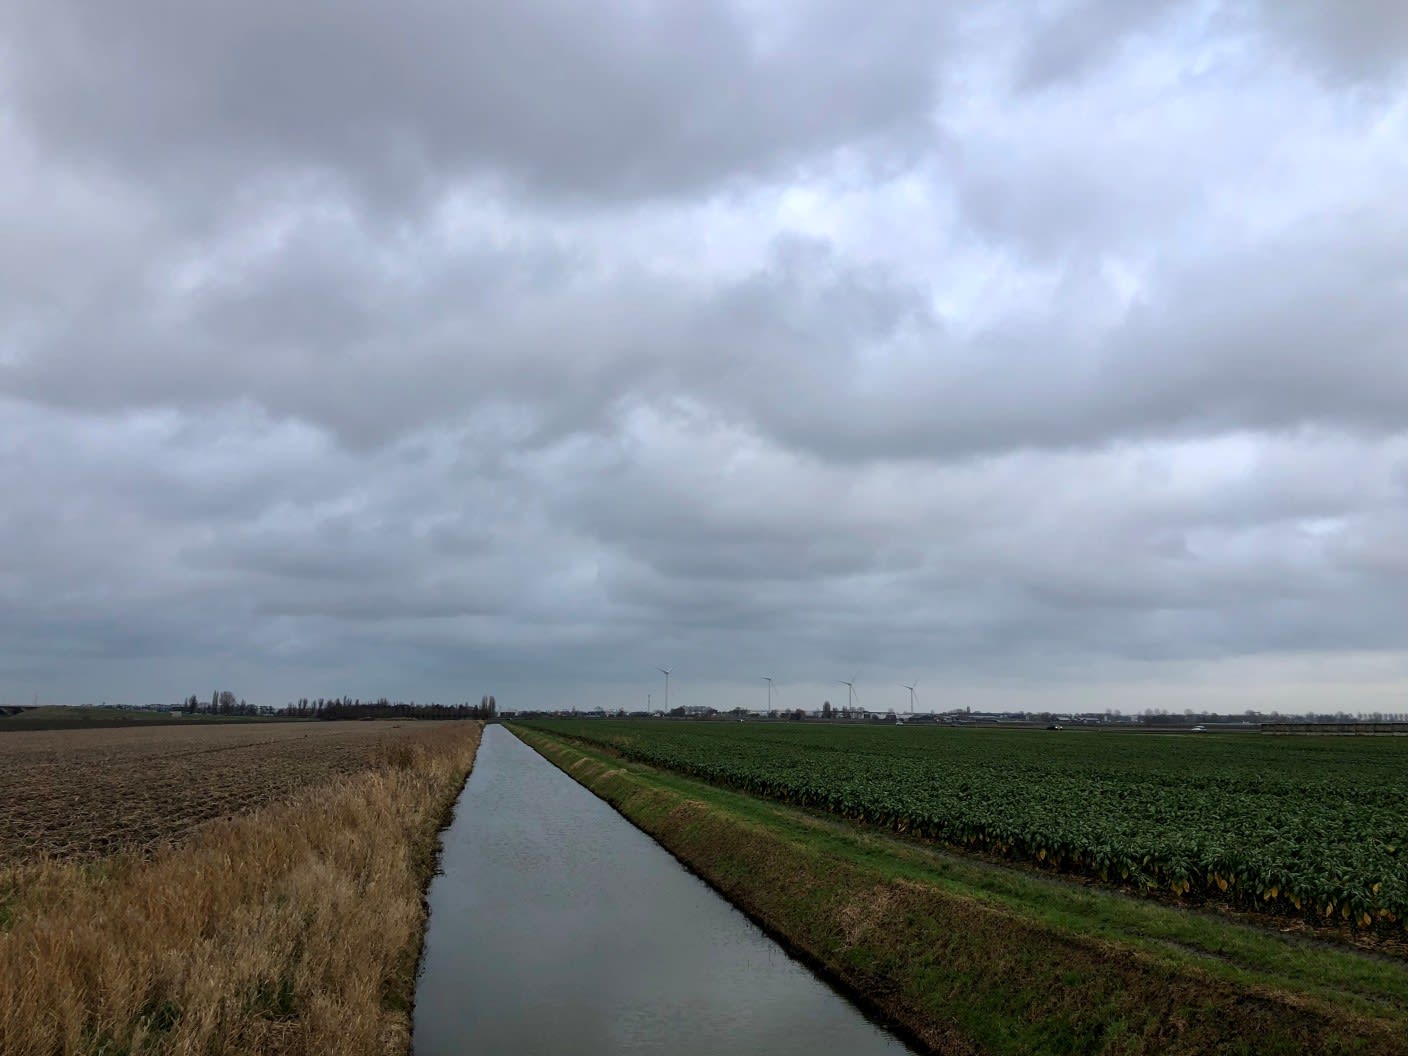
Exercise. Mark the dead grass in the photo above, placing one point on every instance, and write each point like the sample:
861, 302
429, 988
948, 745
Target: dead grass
293, 929
92, 793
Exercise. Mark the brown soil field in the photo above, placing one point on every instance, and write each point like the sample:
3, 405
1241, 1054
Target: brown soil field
291, 930
83, 794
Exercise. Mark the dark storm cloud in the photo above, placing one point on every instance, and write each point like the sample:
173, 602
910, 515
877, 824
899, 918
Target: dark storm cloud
1033, 352
609, 100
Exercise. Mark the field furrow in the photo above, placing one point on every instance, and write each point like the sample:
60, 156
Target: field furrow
83, 794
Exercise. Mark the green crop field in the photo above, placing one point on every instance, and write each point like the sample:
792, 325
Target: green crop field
1312, 826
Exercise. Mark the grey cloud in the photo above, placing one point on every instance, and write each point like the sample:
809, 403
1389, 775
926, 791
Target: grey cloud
820, 354
613, 100
1074, 37
1311, 340
1355, 40
525, 347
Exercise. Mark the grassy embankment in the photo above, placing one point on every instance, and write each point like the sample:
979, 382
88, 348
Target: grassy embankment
968, 957
293, 929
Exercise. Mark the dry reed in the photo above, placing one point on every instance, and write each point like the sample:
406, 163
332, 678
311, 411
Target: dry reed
59, 788
294, 929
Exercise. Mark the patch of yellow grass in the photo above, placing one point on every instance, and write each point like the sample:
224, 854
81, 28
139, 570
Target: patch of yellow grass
295, 929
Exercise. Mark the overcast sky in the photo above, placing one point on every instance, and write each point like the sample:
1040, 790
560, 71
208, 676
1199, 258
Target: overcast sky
1054, 354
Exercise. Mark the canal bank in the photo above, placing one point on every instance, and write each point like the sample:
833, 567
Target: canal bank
556, 926
975, 958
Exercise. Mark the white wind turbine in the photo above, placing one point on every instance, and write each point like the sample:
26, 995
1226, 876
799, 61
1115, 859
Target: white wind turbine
910, 686
851, 698
768, 680
666, 673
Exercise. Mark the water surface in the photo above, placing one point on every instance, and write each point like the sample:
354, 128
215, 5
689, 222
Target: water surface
557, 927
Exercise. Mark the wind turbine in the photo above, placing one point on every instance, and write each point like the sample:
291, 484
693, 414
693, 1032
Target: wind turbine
769, 682
666, 673
851, 697
910, 687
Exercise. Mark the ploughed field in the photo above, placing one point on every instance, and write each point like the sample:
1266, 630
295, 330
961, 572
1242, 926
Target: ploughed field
1309, 826
89, 793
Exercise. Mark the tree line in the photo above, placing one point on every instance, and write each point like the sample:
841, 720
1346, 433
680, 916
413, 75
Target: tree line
223, 702
382, 708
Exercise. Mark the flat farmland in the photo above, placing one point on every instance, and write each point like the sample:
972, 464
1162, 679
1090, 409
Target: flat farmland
1302, 827
83, 794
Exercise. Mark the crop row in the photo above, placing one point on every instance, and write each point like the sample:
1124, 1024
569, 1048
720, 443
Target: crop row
1250, 821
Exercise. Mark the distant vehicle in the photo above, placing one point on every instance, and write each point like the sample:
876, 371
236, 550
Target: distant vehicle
1055, 726
1199, 729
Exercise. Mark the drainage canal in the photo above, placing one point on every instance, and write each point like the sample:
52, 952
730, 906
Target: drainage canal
558, 927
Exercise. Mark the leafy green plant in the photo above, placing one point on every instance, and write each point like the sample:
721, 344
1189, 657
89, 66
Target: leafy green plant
1308, 826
